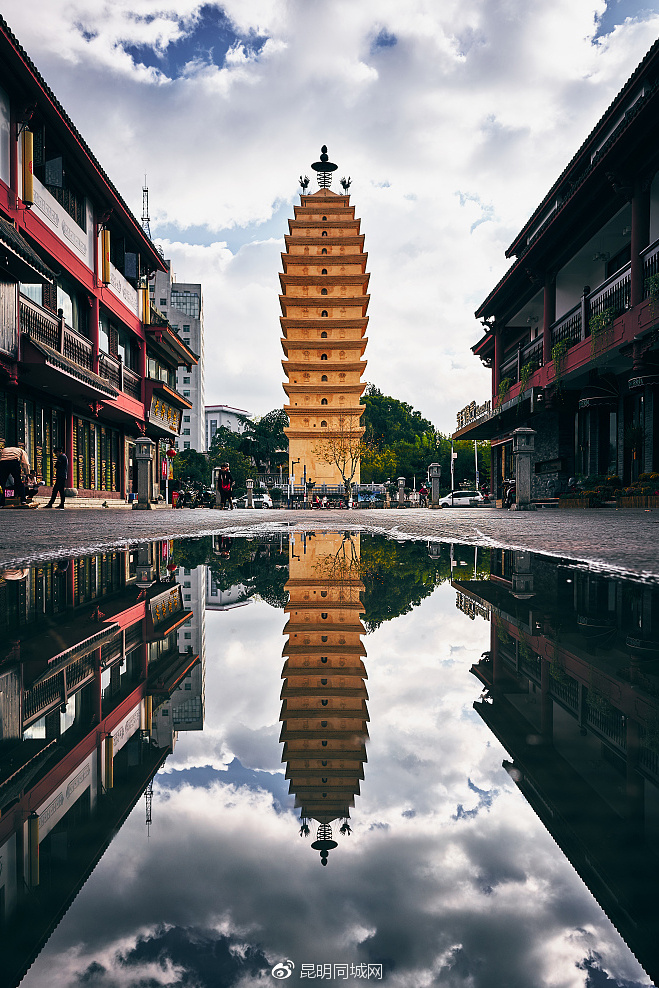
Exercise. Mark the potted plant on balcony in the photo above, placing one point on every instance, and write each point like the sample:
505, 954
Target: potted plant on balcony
558, 356
504, 388
525, 374
601, 331
652, 292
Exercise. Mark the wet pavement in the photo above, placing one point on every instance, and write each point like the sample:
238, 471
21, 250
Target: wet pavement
328, 755
625, 540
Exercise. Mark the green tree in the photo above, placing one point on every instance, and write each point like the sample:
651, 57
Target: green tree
191, 465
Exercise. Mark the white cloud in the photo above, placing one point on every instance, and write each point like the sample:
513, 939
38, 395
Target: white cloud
487, 100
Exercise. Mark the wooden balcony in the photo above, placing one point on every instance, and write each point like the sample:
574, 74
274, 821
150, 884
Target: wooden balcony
43, 327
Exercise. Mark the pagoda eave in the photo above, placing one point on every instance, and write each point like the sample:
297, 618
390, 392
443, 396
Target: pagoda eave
324, 259
292, 366
325, 387
356, 240
329, 279
301, 301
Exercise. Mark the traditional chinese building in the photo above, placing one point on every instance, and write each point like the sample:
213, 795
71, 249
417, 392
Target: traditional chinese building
323, 714
86, 361
324, 302
572, 329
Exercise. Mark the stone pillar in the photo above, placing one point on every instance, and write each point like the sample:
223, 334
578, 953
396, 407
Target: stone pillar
548, 316
144, 459
434, 473
640, 237
401, 492
250, 491
523, 442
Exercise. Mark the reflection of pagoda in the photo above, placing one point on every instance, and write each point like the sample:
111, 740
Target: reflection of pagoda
323, 712
571, 691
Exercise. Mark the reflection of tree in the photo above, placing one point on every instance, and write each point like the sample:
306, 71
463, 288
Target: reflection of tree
261, 566
342, 446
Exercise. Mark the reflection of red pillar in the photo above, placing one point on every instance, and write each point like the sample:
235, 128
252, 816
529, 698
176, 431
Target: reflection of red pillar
547, 708
635, 785
98, 694
495, 657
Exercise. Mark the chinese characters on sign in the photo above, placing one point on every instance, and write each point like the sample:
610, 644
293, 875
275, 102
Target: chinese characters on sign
165, 415
472, 412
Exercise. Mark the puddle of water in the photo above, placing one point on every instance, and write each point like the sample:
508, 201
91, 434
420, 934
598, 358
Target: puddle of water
329, 756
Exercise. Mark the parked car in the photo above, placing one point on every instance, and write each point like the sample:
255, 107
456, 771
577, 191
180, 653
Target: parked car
259, 500
462, 499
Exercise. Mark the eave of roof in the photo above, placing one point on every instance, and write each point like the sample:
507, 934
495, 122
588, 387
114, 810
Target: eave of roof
101, 175
586, 148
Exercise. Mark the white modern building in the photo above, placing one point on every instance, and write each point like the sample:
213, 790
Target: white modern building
182, 303
218, 416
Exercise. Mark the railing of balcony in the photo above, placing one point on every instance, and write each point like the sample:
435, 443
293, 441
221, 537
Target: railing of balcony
132, 384
532, 352
38, 698
109, 368
608, 722
44, 327
39, 324
565, 689
77, 349
614, 294
568, 328
650, 263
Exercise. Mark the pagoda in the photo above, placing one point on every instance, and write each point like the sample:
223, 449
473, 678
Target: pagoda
323, 714
323, 303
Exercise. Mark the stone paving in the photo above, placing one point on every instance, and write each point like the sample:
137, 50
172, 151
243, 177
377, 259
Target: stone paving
624, 540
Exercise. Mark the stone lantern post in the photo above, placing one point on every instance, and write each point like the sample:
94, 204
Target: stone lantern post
144, 456
434, 473
250, 493
401, 492
523, 445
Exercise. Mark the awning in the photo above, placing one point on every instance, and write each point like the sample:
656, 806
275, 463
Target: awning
20, 259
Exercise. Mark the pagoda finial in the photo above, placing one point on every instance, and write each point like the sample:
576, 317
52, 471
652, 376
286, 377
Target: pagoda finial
324, 167
324, 842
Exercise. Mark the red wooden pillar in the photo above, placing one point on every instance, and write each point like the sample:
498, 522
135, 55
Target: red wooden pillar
496, 368
547, 708
640, 237
94, 336
548, 316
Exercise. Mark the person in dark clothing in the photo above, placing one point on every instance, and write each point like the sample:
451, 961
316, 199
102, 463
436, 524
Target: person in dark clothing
225, 485
61, 478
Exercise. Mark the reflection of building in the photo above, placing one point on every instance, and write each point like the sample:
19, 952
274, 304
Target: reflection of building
82, 363
572, 681
324, 320
184, 711
89, 654
183, 306
571, 329
324, 716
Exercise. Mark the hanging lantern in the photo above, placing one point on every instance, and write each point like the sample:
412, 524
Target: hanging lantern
171, 453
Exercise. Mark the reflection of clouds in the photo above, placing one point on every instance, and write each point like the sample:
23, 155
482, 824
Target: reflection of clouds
481, 899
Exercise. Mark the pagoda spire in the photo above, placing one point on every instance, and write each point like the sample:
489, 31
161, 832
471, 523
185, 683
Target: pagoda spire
324, 168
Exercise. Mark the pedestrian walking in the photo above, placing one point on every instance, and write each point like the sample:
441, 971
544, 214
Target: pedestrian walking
225, 486
61, 478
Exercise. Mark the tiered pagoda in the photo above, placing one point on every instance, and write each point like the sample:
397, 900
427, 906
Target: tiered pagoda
323, 321
324, 716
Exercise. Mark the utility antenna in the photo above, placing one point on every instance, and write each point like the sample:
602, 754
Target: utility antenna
145, 209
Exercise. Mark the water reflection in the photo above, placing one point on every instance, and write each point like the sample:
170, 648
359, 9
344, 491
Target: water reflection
571, 682
98, 671
450, 875
323, 710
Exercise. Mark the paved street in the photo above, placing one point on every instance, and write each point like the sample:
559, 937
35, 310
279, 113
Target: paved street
627, 540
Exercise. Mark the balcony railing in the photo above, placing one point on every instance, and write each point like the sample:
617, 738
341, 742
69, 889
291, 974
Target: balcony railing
44, 327
614, 294
650, 263
568, 328
132, 384
109, 368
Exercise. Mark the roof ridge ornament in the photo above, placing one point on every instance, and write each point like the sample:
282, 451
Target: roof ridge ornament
324, 167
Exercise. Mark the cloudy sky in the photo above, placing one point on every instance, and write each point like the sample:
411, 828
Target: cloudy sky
452, 118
